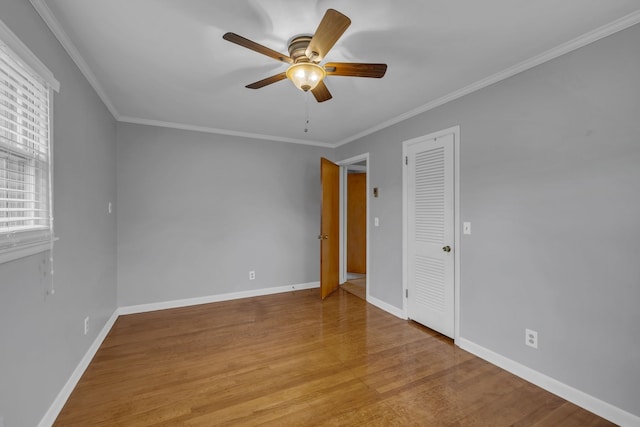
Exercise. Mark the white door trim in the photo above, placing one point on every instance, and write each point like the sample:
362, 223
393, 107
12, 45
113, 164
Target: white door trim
456, 227
343, 237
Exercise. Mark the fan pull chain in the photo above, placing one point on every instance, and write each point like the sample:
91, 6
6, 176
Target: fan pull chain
306, 111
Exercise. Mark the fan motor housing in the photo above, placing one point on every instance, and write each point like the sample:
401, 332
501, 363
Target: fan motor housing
298, 48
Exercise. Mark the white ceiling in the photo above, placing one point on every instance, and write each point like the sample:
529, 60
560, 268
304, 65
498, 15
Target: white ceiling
165, 62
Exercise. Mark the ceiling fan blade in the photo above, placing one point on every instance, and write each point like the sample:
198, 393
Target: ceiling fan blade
267, 81
249, 44
332, 26
321, 93
353, 69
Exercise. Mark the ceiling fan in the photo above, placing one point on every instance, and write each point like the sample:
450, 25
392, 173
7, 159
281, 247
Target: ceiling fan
306, 53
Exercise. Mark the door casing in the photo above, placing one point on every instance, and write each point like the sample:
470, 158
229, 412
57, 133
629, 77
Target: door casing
456, 222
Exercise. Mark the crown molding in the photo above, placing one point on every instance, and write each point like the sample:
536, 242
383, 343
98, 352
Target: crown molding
581, 41
55, 27
181, 126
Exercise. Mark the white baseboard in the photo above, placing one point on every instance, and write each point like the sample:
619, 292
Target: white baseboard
143, 308
58, 403
387, 307
584, 400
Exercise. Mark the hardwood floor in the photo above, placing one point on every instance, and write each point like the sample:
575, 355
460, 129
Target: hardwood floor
357, 287
293, 360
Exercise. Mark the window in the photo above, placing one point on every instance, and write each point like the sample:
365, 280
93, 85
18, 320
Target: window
25, 150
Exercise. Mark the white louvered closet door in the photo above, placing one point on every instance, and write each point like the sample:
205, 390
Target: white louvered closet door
430, 219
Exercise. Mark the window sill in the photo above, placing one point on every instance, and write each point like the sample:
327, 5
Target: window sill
20, 251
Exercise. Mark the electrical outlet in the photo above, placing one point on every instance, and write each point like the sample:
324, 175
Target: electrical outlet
252, 275
531, 338
86, 325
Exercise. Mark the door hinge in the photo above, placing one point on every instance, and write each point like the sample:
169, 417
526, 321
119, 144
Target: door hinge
406, 160
406, 293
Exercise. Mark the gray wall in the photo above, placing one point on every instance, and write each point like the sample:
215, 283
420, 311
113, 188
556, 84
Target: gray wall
550, 179
41, 338
197, 211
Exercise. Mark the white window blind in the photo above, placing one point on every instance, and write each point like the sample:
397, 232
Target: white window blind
25, 157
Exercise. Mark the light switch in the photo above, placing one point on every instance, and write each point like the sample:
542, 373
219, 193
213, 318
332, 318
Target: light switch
376, 222
466, 228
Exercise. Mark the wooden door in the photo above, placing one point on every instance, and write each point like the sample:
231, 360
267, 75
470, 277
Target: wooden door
329, 227
430, 222
357, 223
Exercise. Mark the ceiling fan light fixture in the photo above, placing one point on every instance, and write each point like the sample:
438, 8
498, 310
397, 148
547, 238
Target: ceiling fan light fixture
306, 75
306, 51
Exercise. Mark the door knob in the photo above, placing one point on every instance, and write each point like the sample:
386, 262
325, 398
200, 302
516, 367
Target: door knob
322, 237
447, 248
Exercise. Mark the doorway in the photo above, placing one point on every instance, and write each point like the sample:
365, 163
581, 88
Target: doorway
354, 230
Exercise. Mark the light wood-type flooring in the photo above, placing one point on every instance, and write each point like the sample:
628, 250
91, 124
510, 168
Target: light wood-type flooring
357, 287
293, 360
